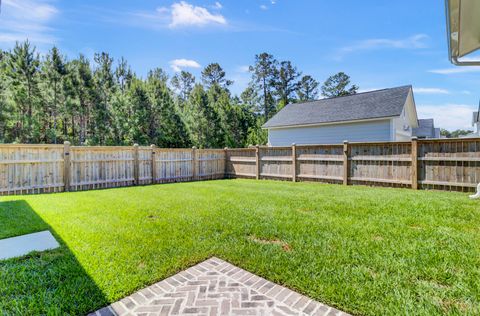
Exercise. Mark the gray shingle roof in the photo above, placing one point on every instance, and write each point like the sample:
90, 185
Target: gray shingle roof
360, 106
426, 129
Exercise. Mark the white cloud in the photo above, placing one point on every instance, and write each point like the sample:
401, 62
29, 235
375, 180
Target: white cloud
448, 116
243, 69
27, 19
430, 91
416, 41
185, 14
179, 15
455, 70
263, 7
178, 64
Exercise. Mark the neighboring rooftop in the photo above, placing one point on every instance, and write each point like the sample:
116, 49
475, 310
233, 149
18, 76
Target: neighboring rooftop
358, 106
426, 129
475, 118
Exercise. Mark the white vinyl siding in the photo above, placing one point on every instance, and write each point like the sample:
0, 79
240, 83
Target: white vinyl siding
403, 131
380, 130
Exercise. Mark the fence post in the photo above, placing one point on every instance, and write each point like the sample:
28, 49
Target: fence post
194, 163
346, 162
414, 166
66, 166
294, 162
154, 165
225, 171
136, 167
257, 162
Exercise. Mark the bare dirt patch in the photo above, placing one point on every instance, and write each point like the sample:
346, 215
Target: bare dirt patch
264, 241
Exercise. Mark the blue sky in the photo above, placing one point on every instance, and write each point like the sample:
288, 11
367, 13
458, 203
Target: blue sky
378, 43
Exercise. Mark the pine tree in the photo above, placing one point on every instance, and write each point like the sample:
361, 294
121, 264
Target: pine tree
54, 73
263, 79
167, 129
214, 74
286, 83
307, 89
337, 86
123, 75
183, 84
4, 108
22, 72
140, 118
105, 85
55, 99
202, 119
81, 105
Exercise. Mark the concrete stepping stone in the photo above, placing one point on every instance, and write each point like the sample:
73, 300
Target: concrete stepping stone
22, 245
216, 287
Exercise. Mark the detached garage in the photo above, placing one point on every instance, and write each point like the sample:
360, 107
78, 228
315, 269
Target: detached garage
381, 115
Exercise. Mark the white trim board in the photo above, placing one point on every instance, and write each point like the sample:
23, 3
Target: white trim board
22, 245
384, 118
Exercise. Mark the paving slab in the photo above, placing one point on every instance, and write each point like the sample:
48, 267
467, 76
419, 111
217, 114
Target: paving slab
216, 287
22, 245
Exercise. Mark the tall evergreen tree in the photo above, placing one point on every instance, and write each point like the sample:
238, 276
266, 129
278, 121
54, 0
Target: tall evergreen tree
286, 83
183, 84
307, 89
22, 72
169, 130
337, 86
214, 74
54, 71
201, 119
140, 119
158, 74
56, 99
123, 74
105, 85
78, 119
263, 79
4, 109
250, 98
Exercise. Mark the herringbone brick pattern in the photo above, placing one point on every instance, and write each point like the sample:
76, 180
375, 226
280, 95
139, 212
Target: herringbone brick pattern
215, 287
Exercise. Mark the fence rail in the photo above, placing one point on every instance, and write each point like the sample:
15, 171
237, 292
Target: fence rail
445, 164
26, 169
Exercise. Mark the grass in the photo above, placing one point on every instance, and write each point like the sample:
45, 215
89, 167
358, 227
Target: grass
367, 251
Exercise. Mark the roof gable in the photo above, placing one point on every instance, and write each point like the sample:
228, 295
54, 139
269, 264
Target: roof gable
360, 106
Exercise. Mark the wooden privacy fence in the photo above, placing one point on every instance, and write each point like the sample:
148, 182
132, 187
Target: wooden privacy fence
28, 169
445, 164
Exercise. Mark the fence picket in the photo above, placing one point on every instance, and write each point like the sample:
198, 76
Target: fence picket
447, 164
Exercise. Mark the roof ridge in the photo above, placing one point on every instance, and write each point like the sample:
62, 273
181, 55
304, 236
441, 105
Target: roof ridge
350, 95
370, 104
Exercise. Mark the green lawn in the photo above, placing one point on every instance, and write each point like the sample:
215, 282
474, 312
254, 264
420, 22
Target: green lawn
368, 251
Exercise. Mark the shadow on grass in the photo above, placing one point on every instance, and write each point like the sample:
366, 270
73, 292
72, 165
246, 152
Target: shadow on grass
47, 283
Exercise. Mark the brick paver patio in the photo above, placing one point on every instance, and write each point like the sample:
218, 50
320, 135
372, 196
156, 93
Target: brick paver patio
216, 287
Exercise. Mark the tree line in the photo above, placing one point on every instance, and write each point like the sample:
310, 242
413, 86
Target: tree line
52, 99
